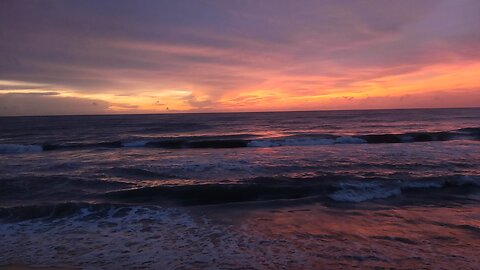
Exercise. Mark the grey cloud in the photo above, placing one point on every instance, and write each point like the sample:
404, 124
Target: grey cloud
19, 87
76, 43
34, 93
48, 104
197, 103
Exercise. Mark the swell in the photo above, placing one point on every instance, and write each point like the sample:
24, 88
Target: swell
52, 188
325, 188
58, 210
248, 140
259, 189
136, 173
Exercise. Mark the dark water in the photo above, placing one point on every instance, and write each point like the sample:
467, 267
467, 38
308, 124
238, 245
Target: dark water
336, 190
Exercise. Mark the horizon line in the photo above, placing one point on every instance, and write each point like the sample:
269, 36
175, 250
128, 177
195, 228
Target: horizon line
244, 112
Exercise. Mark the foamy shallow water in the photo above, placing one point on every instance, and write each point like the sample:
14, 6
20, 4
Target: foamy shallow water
239, 236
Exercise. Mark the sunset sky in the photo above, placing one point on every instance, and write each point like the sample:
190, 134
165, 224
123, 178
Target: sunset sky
90, 57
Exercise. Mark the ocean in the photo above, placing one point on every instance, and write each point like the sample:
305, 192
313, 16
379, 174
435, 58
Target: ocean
377, 189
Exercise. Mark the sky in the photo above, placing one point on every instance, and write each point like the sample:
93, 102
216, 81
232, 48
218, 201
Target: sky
142, 56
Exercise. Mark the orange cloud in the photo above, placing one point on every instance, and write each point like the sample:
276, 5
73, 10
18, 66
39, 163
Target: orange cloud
249, 57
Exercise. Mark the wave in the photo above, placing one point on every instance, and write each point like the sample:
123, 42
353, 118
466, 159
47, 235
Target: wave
359, 192
326, 189
305, 141
73, 146
27, 188
249, 140
58, 210
331, 188
259, 189
137, 173
19, 148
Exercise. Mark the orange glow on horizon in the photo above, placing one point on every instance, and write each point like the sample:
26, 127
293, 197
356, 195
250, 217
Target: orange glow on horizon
419, 88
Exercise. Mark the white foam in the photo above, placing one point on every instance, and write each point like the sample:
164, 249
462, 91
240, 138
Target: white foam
264, 143
19, 148
349, 140
360, 192
423, 184
141, 236
407, 138
135, 144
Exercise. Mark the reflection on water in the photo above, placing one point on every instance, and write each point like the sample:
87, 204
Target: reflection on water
271, 236
299, 190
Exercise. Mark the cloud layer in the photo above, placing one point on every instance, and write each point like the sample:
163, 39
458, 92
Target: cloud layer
147, 56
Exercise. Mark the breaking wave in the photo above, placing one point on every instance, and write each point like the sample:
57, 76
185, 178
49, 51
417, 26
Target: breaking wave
328, 189
249, 140
19, 148
267, 189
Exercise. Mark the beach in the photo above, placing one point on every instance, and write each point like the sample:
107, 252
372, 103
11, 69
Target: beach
300, 190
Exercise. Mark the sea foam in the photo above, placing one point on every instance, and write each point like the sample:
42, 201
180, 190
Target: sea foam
19, 148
